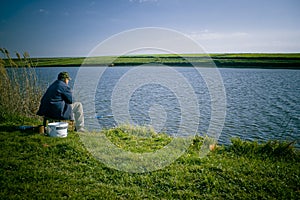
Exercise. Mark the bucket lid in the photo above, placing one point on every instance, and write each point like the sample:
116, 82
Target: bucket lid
58, 124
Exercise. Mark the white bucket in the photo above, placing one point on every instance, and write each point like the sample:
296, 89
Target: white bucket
57, 129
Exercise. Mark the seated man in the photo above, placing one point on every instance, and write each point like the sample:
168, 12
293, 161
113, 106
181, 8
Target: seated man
57, 103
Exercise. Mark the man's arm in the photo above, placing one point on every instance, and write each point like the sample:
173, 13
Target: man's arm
67, 95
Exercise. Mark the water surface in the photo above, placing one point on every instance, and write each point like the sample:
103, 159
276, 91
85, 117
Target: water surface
262, 104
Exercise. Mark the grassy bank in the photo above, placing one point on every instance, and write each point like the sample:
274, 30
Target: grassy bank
250, 60
34, 166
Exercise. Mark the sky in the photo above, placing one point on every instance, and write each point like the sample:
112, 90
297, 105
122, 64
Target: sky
70, 28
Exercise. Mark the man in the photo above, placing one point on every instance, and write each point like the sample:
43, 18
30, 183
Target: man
57, 102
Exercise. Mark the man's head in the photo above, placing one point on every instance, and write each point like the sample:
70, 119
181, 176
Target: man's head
64, 76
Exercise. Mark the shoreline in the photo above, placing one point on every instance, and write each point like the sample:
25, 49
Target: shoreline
265, 61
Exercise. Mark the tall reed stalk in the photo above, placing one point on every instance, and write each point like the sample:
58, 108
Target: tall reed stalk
20, 93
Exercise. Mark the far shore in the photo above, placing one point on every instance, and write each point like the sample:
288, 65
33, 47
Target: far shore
244, 60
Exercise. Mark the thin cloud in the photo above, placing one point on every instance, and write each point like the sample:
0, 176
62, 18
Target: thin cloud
207, 35
142, 1
255, 41
43, 11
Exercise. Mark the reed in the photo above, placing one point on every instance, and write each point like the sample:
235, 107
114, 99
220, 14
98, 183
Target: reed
20, 93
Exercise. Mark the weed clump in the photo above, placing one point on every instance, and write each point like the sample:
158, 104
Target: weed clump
268, 150
19, 90
137, 138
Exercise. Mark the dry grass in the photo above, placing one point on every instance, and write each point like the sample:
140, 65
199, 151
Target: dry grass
20, 93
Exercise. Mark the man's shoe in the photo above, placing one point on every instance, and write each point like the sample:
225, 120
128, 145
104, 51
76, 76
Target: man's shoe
82, 130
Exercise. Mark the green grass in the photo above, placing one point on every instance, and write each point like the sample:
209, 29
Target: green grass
241, 60
34, 166
137, 139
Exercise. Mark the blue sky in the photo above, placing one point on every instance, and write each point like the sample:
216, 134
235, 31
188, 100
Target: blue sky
74, 27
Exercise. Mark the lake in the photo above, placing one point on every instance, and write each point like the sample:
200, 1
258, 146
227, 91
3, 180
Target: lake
261, 104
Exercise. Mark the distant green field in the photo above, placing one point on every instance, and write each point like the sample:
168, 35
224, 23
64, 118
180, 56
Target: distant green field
242, 60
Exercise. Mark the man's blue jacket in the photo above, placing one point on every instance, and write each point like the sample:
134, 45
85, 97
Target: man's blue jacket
56, 102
